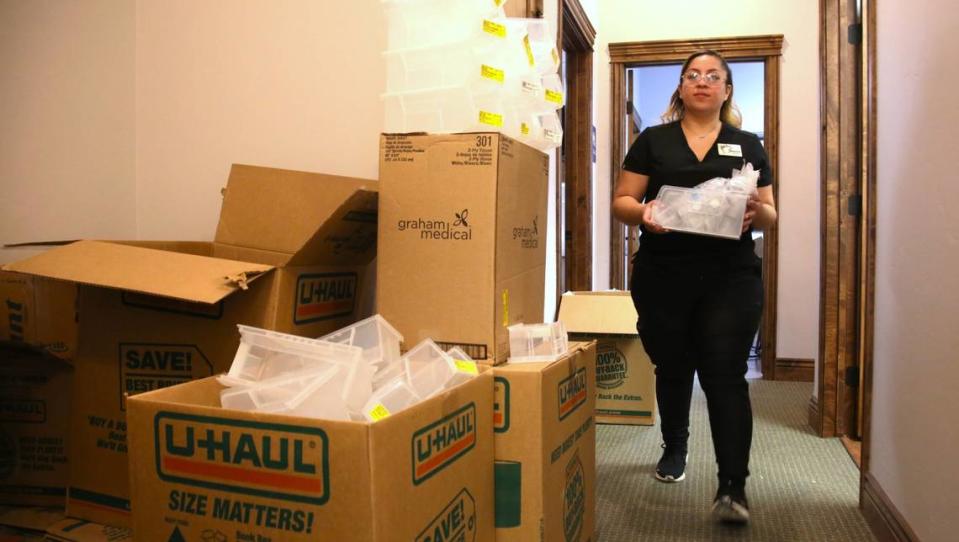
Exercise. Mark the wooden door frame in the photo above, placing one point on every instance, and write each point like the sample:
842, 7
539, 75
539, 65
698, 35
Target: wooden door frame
766, 48
576, 35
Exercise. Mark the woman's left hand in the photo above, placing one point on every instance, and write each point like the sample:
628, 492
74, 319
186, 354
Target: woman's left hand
752, 207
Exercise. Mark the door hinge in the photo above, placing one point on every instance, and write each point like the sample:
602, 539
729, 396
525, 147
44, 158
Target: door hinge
854, 33
855, 205
852, 376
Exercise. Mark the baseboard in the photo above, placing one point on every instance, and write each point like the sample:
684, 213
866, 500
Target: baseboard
795, 370
814, 419
881, 515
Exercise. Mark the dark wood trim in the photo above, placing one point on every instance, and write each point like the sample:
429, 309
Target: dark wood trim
532, 9
881, 515
841, 154
769, 323
853, 448
829, 239
626, 55
814, 418
795, 370
618, 273
868, 293
666, 51
574, 16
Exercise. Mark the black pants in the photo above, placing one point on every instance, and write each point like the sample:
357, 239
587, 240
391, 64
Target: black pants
701, 315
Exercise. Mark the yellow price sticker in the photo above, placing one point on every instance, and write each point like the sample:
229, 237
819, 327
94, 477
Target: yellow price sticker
524, 128
505, 308
466, 366
529, 50
492, 119
494, 28
492, 73
379, 412
498, 3
554, 96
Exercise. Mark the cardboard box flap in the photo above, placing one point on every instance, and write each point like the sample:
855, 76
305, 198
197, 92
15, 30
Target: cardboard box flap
598, 312
154, 272
348, 237
280, 210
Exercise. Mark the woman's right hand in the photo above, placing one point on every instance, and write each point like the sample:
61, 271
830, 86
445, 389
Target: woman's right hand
651, 225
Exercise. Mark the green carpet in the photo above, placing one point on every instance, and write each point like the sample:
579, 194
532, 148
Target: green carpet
802, 487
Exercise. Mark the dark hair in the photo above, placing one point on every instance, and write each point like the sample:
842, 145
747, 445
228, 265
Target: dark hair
729, 113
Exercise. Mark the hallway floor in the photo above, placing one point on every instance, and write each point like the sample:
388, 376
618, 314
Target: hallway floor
802, 488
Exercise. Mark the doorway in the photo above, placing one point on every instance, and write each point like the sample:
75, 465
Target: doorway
766, 50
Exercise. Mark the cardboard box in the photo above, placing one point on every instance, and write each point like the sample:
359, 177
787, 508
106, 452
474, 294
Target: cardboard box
625, 378
39, 312
34, 426
462, 239
546, 448
423, 474
289, 252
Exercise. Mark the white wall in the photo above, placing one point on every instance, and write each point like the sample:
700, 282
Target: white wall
797, 20
66, 121
914, 401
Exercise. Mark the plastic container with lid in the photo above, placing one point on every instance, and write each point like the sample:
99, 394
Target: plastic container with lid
701, 211
537, 342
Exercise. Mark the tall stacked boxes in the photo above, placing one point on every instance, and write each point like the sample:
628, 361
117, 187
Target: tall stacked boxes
423, 474
461, 251
289, 252
546, 448
34, 424
625, 378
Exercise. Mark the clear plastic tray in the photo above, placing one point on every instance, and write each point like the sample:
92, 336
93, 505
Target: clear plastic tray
537, 342
393, 397
466, 368
379, 341
716, 213
543, 131
417, 23
428, 368
446, 110
265, 354
280, 394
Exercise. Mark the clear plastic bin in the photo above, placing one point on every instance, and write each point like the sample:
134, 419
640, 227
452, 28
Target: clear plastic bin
428, 368
486, 62
543, 131
379, 341
284, 394
542, 45
446, 110
537, 342
716, 213
265, 354
393, 397
418, 23
466, 368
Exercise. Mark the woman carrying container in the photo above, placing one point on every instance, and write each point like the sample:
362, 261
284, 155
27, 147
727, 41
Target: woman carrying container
699, 298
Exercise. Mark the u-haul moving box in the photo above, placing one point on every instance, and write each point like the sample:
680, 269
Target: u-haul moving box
34, 425
423, 474
546, 448
462, 239
625, 381
289, 252
40, 313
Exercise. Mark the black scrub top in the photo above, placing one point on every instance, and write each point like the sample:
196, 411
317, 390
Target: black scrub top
662, 154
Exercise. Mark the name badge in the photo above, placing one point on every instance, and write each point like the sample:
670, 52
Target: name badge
729, 149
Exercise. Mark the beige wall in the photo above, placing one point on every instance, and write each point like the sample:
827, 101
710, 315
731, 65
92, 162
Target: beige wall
66, 121
292, 84
914, 429
797, 20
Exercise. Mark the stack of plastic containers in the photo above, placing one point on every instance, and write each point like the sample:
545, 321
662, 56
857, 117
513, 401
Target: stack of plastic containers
355, 373
462, 65
537, 342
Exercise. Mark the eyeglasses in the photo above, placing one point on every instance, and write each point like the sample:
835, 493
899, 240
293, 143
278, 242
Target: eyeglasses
712, 78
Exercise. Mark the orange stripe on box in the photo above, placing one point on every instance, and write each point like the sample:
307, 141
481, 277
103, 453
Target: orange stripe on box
497, 418
322, 308
289, 482
441, 458
573, 402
